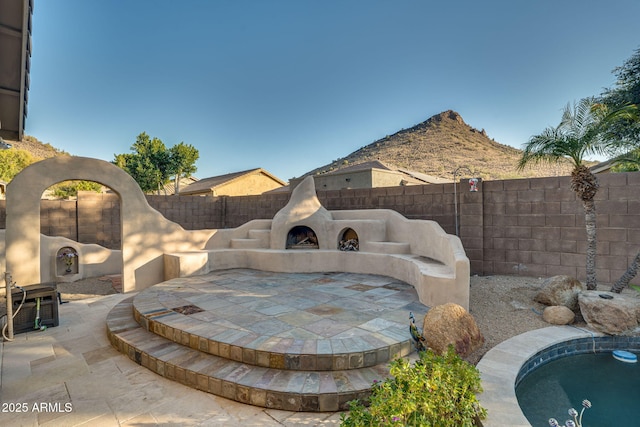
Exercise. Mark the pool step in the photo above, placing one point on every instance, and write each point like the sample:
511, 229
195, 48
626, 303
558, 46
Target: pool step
290, 390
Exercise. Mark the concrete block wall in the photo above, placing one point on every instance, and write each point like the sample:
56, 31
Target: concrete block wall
471, 225
191, 212
536, 227
532, 227
432, 202
59, 218
236, 211
98, 217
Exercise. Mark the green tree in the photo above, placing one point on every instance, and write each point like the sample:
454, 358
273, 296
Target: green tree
152, 165
183, 162
12, 161
582, 132
625, 92
628, 162
149, 165
70, 188
140, 168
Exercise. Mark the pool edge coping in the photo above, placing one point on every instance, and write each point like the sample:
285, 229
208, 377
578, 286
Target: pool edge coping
501, 365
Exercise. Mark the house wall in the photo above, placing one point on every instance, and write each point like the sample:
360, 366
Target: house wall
338, 181
366, 178
256, 183
383, 178
531, 227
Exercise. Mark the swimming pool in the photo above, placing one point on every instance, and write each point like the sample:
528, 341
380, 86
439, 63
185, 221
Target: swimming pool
610, 385
508, 363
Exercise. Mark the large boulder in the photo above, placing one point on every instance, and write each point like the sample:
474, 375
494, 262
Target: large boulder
608, 312
558, 315
451, 324
560, 290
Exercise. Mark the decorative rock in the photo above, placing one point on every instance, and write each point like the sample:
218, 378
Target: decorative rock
558, 315
451, 324
560, 290
614, 316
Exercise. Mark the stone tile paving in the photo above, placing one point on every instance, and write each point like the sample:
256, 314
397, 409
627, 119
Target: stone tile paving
300, 342
279, 313
75, 364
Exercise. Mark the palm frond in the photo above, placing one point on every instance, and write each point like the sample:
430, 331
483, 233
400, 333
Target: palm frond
586, 128
551, 146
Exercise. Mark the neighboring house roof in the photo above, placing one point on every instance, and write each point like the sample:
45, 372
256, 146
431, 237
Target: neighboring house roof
605, 167
210, 184
15, 62
413, 177
170, 187
374, 164
602, 167
283, 189
427, 179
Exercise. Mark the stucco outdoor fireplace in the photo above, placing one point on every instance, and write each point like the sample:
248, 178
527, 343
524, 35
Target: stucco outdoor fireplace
305, 237
302, 237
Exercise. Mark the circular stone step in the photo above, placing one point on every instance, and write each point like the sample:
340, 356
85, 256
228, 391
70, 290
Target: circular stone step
315, 391
293, 321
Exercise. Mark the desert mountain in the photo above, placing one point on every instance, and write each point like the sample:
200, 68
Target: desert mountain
36, 148
440, 145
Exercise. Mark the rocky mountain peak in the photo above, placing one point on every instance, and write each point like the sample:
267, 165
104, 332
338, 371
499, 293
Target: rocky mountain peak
438, 146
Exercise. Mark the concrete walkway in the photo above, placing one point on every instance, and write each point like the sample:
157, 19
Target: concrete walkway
71, 376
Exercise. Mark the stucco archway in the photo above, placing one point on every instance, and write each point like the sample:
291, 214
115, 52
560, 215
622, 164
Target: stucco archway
146, 234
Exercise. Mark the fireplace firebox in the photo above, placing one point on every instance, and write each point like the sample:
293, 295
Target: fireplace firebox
302, 237
349, 240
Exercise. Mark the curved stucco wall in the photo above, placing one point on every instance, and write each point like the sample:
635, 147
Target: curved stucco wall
146, 234
435, 284
93, 260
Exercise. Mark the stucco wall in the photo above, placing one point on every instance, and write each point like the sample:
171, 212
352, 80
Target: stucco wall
383, 178
523, 227
145, 233
338, 181
366, 178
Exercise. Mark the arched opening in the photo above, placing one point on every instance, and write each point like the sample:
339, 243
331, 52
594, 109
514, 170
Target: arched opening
36, 204
302, 237
82, 225
67, 261
348, 240
145, 233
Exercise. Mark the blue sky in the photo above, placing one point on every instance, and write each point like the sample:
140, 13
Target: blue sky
289, 85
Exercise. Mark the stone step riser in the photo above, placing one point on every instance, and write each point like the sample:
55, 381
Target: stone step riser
376, 351
316, 391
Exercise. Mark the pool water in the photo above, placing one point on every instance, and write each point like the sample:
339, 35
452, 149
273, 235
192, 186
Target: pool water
612, 387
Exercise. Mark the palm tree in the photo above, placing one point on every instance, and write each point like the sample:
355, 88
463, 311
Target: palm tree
581, 133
